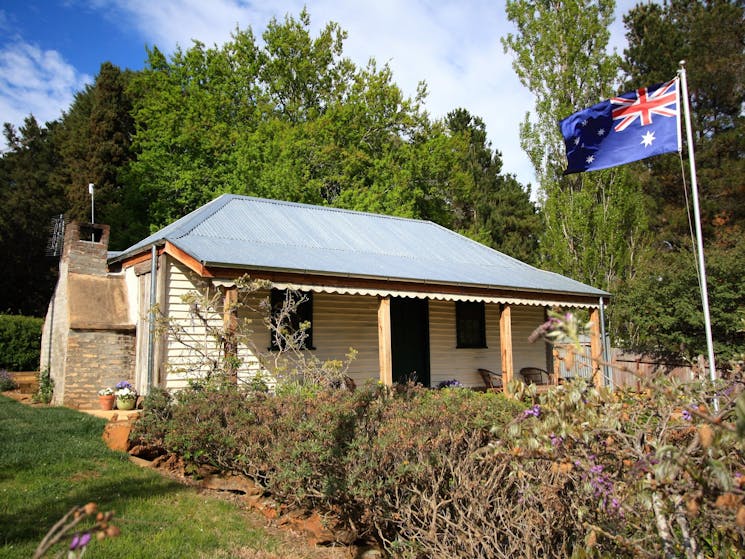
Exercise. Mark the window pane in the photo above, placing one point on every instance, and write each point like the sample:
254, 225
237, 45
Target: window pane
470, 324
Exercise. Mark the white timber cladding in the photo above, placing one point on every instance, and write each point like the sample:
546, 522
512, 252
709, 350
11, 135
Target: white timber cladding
340, 322
448, 362
254, 339
524, 353
189, 358
143, 333
191, 352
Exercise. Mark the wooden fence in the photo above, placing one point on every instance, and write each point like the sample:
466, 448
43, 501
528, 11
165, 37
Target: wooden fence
626, 368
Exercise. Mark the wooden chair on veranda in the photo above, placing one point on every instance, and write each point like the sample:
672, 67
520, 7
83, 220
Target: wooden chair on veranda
535, 375
492, 380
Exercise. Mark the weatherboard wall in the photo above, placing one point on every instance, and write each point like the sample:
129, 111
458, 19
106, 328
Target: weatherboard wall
340, 322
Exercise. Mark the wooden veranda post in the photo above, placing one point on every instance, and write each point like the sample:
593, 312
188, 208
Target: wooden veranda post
596, 348
385, 355
230, 326
505, 342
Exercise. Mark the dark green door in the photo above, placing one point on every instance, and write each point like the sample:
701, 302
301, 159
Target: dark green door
410, 339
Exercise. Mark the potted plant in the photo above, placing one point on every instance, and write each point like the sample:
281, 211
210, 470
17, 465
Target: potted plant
126, 396
106, 398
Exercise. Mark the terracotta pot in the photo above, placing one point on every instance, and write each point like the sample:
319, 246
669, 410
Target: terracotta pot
106, 402
128, 404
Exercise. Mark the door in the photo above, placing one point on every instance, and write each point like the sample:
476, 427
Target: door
410, 340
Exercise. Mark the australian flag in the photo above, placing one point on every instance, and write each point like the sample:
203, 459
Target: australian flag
623, 129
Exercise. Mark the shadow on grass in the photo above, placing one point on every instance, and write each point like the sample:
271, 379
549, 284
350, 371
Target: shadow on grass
44, 475
30, 524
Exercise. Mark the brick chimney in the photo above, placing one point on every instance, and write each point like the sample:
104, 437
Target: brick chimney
85, 248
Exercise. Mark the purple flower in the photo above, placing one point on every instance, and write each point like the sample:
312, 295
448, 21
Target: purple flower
80, 541
535, 411
686, 415
123, 384
556, 440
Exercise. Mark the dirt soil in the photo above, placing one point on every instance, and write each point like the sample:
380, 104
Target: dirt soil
24, 398
297, 531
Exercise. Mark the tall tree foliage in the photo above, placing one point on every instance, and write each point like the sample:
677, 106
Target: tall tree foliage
710, 36
291, 118
287, 117
594, 223
488, 206
93, 140
30, 200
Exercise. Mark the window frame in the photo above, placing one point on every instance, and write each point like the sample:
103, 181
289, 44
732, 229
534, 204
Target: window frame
474, 311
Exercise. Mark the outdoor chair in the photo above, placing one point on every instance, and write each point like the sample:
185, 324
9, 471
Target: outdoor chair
492, 380
534, 375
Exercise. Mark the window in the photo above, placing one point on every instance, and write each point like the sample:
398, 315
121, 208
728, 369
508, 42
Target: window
470, 324
292, 308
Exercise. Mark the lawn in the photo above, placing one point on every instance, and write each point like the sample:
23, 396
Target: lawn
52, 459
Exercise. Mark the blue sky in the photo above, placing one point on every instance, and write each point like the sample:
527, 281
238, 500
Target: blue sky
49, 49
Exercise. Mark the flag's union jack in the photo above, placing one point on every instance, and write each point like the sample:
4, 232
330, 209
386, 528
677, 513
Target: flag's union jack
644, 103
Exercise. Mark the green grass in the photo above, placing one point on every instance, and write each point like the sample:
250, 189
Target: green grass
52, 459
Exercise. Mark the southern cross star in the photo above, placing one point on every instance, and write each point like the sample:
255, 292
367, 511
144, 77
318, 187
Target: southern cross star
648, 138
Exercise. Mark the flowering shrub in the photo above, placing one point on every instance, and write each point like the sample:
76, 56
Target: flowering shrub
658, 471
452, 383
80, 525
125, 391
6, 381
314, 447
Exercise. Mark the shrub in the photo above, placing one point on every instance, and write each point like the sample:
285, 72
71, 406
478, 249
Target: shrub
313, 447
152, 427
6, 381
20, 342
408, 434
46, 388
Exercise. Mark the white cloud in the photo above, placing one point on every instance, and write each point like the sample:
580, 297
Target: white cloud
35, 81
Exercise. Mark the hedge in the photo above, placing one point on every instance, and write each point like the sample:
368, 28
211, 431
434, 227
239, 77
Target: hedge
582, 472
20, 342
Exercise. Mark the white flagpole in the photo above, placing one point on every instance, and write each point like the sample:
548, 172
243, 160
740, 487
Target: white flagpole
697, 216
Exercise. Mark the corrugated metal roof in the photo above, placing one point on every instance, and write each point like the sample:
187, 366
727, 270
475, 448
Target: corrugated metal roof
240, 231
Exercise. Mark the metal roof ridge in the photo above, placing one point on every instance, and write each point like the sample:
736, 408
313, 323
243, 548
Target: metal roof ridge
209, 209
517, 261
316, 207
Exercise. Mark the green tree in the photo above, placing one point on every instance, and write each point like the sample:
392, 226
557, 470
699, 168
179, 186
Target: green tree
709, 36
30, 200
289, 119
488, 206
94, 143
659, 310
594, 223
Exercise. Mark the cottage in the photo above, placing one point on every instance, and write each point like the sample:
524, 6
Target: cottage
413, 298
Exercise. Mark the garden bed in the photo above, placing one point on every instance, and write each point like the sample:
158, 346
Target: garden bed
461, 474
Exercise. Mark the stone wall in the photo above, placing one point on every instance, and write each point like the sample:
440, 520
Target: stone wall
96, 359
86, 256
87, 342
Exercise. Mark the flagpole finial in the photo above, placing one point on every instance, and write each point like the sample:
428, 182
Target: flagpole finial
682, 64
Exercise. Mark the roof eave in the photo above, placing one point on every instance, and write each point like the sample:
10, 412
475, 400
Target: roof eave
226, 266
